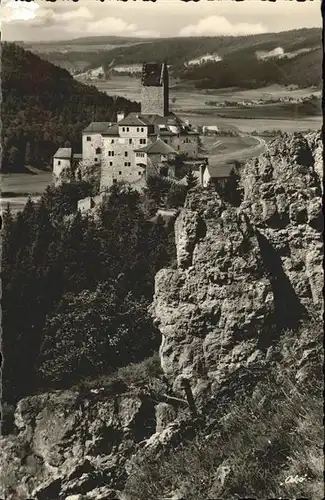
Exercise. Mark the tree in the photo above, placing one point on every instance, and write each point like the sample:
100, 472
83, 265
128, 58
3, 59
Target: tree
191, 180
94, 332
157, 189
231, 191
15, 160
89, 172
176, 196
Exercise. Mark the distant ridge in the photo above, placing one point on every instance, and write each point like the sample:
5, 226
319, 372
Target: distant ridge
304, 69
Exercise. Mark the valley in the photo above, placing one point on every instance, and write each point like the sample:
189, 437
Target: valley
190, 105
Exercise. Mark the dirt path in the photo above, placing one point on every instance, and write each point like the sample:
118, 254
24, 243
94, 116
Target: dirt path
218, 156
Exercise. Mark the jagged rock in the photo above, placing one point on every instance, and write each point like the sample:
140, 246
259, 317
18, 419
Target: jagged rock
165, 414
103, 493
80, 440
49, 490
248, 273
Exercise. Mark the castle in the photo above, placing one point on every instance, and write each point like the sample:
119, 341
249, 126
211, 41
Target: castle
140, 144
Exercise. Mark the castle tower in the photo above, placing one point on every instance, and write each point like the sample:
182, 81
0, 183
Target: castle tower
155, 92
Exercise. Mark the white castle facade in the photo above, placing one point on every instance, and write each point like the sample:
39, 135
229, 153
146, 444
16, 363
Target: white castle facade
137, 145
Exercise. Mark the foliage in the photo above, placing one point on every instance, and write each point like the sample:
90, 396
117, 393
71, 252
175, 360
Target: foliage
53, 257
230, 191
131, 374
43, 106
93, 331
176, 196
157, 189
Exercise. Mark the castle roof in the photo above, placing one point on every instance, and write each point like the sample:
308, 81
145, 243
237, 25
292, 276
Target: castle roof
112, 131
220, 171
98, 127
158, 147
134, 119
63, 153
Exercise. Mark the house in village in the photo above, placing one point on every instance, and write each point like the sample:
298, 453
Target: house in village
215, 173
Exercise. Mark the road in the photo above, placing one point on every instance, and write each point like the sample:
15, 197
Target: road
218, 152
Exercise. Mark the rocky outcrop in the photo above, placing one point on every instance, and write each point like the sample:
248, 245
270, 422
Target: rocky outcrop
243, 274
74, 443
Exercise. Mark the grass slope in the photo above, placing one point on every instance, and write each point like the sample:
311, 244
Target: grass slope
266, 445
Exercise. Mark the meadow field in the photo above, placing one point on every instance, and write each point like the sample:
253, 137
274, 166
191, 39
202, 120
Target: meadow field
190, 104
16, 188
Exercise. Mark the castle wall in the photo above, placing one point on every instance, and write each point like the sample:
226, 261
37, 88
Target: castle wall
153, 101
119, 161
186, 144
59, 164
90, 143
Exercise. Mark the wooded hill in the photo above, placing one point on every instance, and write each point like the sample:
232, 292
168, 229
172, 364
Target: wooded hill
43, 107
302, 69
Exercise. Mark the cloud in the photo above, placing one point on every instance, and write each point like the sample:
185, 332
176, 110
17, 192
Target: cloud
15, 11
146, 34
219, 25
110, 26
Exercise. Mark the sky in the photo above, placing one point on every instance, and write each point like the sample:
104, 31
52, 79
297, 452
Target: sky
41, 20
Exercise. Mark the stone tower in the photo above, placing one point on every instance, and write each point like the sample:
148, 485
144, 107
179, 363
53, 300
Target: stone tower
154, 92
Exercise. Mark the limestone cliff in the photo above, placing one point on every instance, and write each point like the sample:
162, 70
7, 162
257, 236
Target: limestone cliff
243, 274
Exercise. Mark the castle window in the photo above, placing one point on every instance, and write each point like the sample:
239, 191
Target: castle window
110, 163
88, 138
139, 173
125, 153
120, 173
123, 129
59, 163
98, 151
111, 153
138, 130
142, 129
96, 159
127, 129
143, 141
112, 141
130, 141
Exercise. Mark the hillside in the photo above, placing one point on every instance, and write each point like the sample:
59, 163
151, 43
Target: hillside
245, 70
296, 67
232, 408
43, 107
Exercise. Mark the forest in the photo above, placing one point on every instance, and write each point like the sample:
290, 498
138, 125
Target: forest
76, 289
44, 108
245, 70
